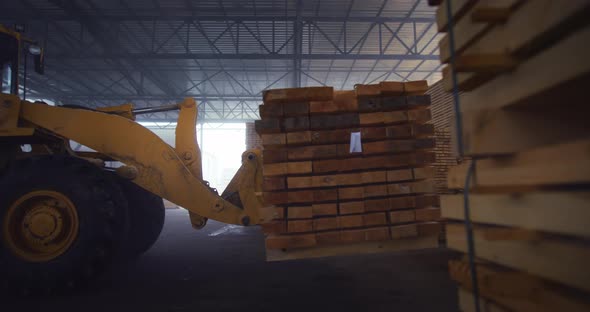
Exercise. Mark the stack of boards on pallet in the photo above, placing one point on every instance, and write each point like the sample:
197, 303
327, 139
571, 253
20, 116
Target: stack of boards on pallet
525, 67
348, 171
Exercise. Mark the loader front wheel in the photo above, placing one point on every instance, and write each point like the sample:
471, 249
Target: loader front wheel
146, 218
62, 219
40, 225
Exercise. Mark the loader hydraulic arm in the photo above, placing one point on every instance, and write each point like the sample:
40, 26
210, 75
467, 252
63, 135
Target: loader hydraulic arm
172, 173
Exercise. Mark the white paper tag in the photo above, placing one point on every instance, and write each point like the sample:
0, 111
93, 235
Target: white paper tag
355, 142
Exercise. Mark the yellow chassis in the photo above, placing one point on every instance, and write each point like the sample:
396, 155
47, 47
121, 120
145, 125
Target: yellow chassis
172, 173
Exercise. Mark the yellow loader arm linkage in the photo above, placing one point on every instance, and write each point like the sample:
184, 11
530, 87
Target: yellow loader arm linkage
172, 173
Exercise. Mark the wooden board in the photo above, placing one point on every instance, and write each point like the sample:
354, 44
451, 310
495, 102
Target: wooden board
318, 107
277, 169
516, 290
329, 209
399, 188
358, 178
274, 227
467, 303
373, 162
267, 126
528, 28
322, 224
393, 103
350, 221
300, 212
394, 117
552, 76
427, 214
270, 213
426, 186
351, 207
291, 124
295, 109
367, 90
397, 202
404, 231
348, 249
391, 88
299, 226
324, 122
274, 183
413, 130
417, 87
494, 132
527, 31
352, 236
270, 111
474, 70
296, 138
270, 140
419, 201
270, 156
465, 81
430, 228
418, 174
317, 152
300, 196
373, 103
368, 134
343, 101
559, 164
467, 32
299, 167
402, 216
290, 95
559, 260
458, 9
554, 212
397, 146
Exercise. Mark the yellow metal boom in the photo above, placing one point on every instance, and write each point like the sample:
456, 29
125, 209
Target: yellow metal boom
172, 173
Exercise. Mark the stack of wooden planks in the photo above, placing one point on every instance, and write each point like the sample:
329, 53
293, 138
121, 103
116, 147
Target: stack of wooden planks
323, 196
526, 67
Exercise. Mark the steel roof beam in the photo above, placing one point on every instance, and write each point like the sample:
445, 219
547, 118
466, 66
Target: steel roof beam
19, 16
243, 56
105, 40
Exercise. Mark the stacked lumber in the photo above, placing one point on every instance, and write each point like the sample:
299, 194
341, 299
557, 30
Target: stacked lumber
321, 193
525, 122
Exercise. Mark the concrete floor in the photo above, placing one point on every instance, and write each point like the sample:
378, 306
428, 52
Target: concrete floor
222, 268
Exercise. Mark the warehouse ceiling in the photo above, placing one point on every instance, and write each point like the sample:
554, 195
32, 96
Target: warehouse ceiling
224, 53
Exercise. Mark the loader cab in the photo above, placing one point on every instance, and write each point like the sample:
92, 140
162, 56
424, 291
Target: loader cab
11, 48
9, 52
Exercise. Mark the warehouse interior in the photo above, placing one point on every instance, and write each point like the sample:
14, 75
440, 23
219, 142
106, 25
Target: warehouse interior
221, 53
445, 116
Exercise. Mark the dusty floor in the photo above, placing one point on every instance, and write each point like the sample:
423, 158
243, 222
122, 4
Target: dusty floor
222, 268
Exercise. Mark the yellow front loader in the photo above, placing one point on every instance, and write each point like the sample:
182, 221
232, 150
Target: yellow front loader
66, 215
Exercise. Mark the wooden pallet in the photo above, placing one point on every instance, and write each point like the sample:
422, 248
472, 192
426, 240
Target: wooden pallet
320, 195
357, 248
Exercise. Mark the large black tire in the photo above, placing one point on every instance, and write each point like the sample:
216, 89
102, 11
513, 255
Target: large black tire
101, 211
146, 218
